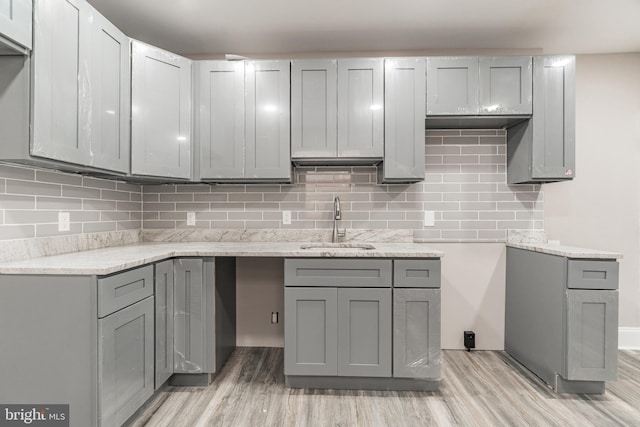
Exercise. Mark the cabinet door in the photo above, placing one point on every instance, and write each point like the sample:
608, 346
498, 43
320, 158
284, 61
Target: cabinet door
109, 90
404, 103
360, 108
452, 85
15, 21
505, 85
125, 362
310, 331
188, 321
592, 335
554, 117
314, 108
164, 321
268, 148
416, 333
160, 113
221, 119
364, 332
60, 104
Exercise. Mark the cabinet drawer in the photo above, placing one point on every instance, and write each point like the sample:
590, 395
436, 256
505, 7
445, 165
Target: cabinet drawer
337, 272
123, 289
589, 274
416, 273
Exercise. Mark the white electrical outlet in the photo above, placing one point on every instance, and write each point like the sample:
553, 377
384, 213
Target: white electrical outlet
274, 317
286, 217
429, 218
64, 221
191, 218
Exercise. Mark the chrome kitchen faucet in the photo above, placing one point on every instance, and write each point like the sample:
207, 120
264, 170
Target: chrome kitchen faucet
337, 215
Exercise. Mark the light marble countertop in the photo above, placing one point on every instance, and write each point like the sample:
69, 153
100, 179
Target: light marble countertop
114, 259
566, 251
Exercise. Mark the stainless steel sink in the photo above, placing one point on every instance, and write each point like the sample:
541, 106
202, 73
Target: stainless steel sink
328, 245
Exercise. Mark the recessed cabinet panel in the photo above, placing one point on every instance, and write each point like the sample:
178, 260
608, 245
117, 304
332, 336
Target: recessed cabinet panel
505, 85
161, 113
164, 321
592, 335
452, 85
268, 148
364, 335
360, 108
311, 328
61, 39
314, 108
404, 120
189, 339
16, 23
416, 333
125, 362
221, 127
110, 91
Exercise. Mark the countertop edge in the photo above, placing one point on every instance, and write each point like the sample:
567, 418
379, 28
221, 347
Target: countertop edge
567, 251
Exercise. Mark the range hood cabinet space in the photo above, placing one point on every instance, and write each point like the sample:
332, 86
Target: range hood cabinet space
474, 122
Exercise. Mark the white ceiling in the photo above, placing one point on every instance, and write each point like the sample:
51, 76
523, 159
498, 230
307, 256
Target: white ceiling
279, 27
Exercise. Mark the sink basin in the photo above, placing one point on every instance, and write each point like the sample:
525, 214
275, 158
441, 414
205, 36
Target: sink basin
328, 245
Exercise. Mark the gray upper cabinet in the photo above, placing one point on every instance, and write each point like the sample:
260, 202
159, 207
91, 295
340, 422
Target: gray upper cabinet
484, 86
314, 108
15, 26
220, 121
80, 61
160, 113
452, 85
505, 85
542, 149
337, 110
404, 105
360, 108
62, 45
109, 91
267, 124
243, 130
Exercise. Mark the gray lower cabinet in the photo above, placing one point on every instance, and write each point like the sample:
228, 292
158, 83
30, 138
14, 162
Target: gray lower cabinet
416, 333
164, 321
125, 362
311, 331
161, 113
364, 332
243, 132
542, 149
404, 111
561, 319
342, 333
15, 26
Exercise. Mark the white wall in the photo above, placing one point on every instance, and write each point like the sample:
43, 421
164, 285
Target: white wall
600, 208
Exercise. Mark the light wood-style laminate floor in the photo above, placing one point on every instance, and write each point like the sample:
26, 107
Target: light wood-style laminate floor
482, 388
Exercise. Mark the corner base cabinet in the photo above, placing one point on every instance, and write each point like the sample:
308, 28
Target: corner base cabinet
561, 319
103, 344
352, 324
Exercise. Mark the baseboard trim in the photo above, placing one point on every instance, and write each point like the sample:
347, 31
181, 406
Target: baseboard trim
629, 338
